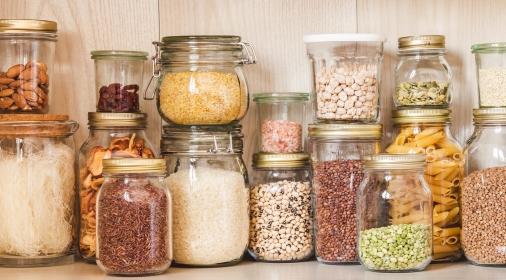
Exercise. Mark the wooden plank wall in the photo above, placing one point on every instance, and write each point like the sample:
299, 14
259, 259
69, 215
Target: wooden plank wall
274, 28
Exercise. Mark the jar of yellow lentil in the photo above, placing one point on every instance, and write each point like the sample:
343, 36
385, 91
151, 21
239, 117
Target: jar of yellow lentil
200, 79
427, 132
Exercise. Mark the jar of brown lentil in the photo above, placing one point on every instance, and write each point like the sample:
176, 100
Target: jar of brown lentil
427, 131
134, 218
483, 218
336, 151
201, 81
281, 226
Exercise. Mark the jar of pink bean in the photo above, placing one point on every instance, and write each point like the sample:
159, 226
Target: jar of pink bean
281, 121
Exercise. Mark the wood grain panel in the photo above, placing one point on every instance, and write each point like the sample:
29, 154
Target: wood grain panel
463, 22
274, 28
84, 26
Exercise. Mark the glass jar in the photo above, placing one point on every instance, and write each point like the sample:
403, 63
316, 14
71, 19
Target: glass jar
394, 213
27, 49
134, 218
336, 151
37, 205
209, 182
483, 188
423, 76
427, 131
118, 78
111, 135
281, 120
281, 226
201, 81
345, 76
490, 72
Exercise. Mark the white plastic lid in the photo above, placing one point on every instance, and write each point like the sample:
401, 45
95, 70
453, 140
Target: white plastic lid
344, 38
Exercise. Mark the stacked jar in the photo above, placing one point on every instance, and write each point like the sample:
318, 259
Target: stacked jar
281, 226
345, 79
37, 151
202, 95
483, 187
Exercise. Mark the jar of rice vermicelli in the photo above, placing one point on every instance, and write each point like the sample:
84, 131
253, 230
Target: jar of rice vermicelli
209, 183
37, 159
394, 214
427, 131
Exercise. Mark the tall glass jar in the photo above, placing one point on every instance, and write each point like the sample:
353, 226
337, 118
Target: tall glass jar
491, 73
27, 49
134, 218
394, 213
209, 182
37, 205
281, 226
483, 188
345, 76
336, 151
201, 81
111, 135
281, 121
423, 76
427, 131
118, 78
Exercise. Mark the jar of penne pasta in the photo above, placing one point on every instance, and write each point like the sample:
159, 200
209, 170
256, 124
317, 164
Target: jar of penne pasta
336, 151
483, 188
394, 214
427, 132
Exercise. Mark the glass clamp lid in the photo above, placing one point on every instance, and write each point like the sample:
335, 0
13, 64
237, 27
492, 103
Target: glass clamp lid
279, 97
118, 55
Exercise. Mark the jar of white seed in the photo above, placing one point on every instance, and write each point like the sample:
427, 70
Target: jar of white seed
345, 76
208, 181
281, 228
491, 73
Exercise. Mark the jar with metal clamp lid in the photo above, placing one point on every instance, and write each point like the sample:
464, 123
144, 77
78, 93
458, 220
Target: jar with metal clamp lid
209, 183
200, 79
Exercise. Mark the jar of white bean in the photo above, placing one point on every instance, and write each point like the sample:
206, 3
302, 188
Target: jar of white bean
281, 228
346, 76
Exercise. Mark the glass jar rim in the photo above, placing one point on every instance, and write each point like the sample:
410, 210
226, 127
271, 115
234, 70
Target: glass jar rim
275, 97
344, 37
118, 55
499, 47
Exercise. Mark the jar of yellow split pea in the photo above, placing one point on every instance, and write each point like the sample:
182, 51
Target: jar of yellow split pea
427, 131
200, 79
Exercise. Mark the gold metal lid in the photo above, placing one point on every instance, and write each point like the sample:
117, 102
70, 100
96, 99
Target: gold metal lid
389, 161
134, 165
489, 115
27, 26
101, 119
371, 131
421, 115
422, 42
266, 160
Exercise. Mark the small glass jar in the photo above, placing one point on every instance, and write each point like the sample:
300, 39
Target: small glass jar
134, 218
118, 78
37, 159
27, 49
281, 120
423, 77
491, 74
427, 131
482, 237
209, 182
345, 76
394, 213
336, 151
201, 81
111, 135
281, 226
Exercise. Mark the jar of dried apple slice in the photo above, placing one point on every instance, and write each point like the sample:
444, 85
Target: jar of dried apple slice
111, 135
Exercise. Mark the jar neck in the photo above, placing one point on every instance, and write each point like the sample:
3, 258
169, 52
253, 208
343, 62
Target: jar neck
419, 53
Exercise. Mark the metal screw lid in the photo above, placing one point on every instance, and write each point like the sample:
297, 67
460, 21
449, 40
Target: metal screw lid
275, 160
394, 161
421, 115
27, 26
489, 115
134, 165
370, 131
422, 42
104, 119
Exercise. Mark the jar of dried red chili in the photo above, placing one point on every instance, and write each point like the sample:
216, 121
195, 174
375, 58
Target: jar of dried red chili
134, 218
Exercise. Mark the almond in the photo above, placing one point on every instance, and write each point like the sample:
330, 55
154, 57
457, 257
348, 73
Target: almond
16, 83
42, 76
13, 107
19, 100
31, 85
31, 96
41, 93
3, 74
5, 102
14, 71
39, 64
29, 73
6, 81
6, 92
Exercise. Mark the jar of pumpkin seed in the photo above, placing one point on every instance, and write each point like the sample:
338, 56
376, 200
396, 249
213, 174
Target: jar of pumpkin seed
423, 77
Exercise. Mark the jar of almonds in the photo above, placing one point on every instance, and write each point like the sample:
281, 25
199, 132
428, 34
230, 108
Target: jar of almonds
27, 49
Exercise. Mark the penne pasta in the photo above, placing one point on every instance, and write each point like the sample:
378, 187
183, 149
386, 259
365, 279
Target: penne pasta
396, 149
456, 182
438, 240
438, 217
430, 170
442, 207
445, 248
445, 173
452, 240
439, 190
427, 132
406, 132
430, 140
450, 231
437, 230
399, 140
457, 156
433, 181
443, 164
452, 176
451, 214
409, 219
430, 149
444, 200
